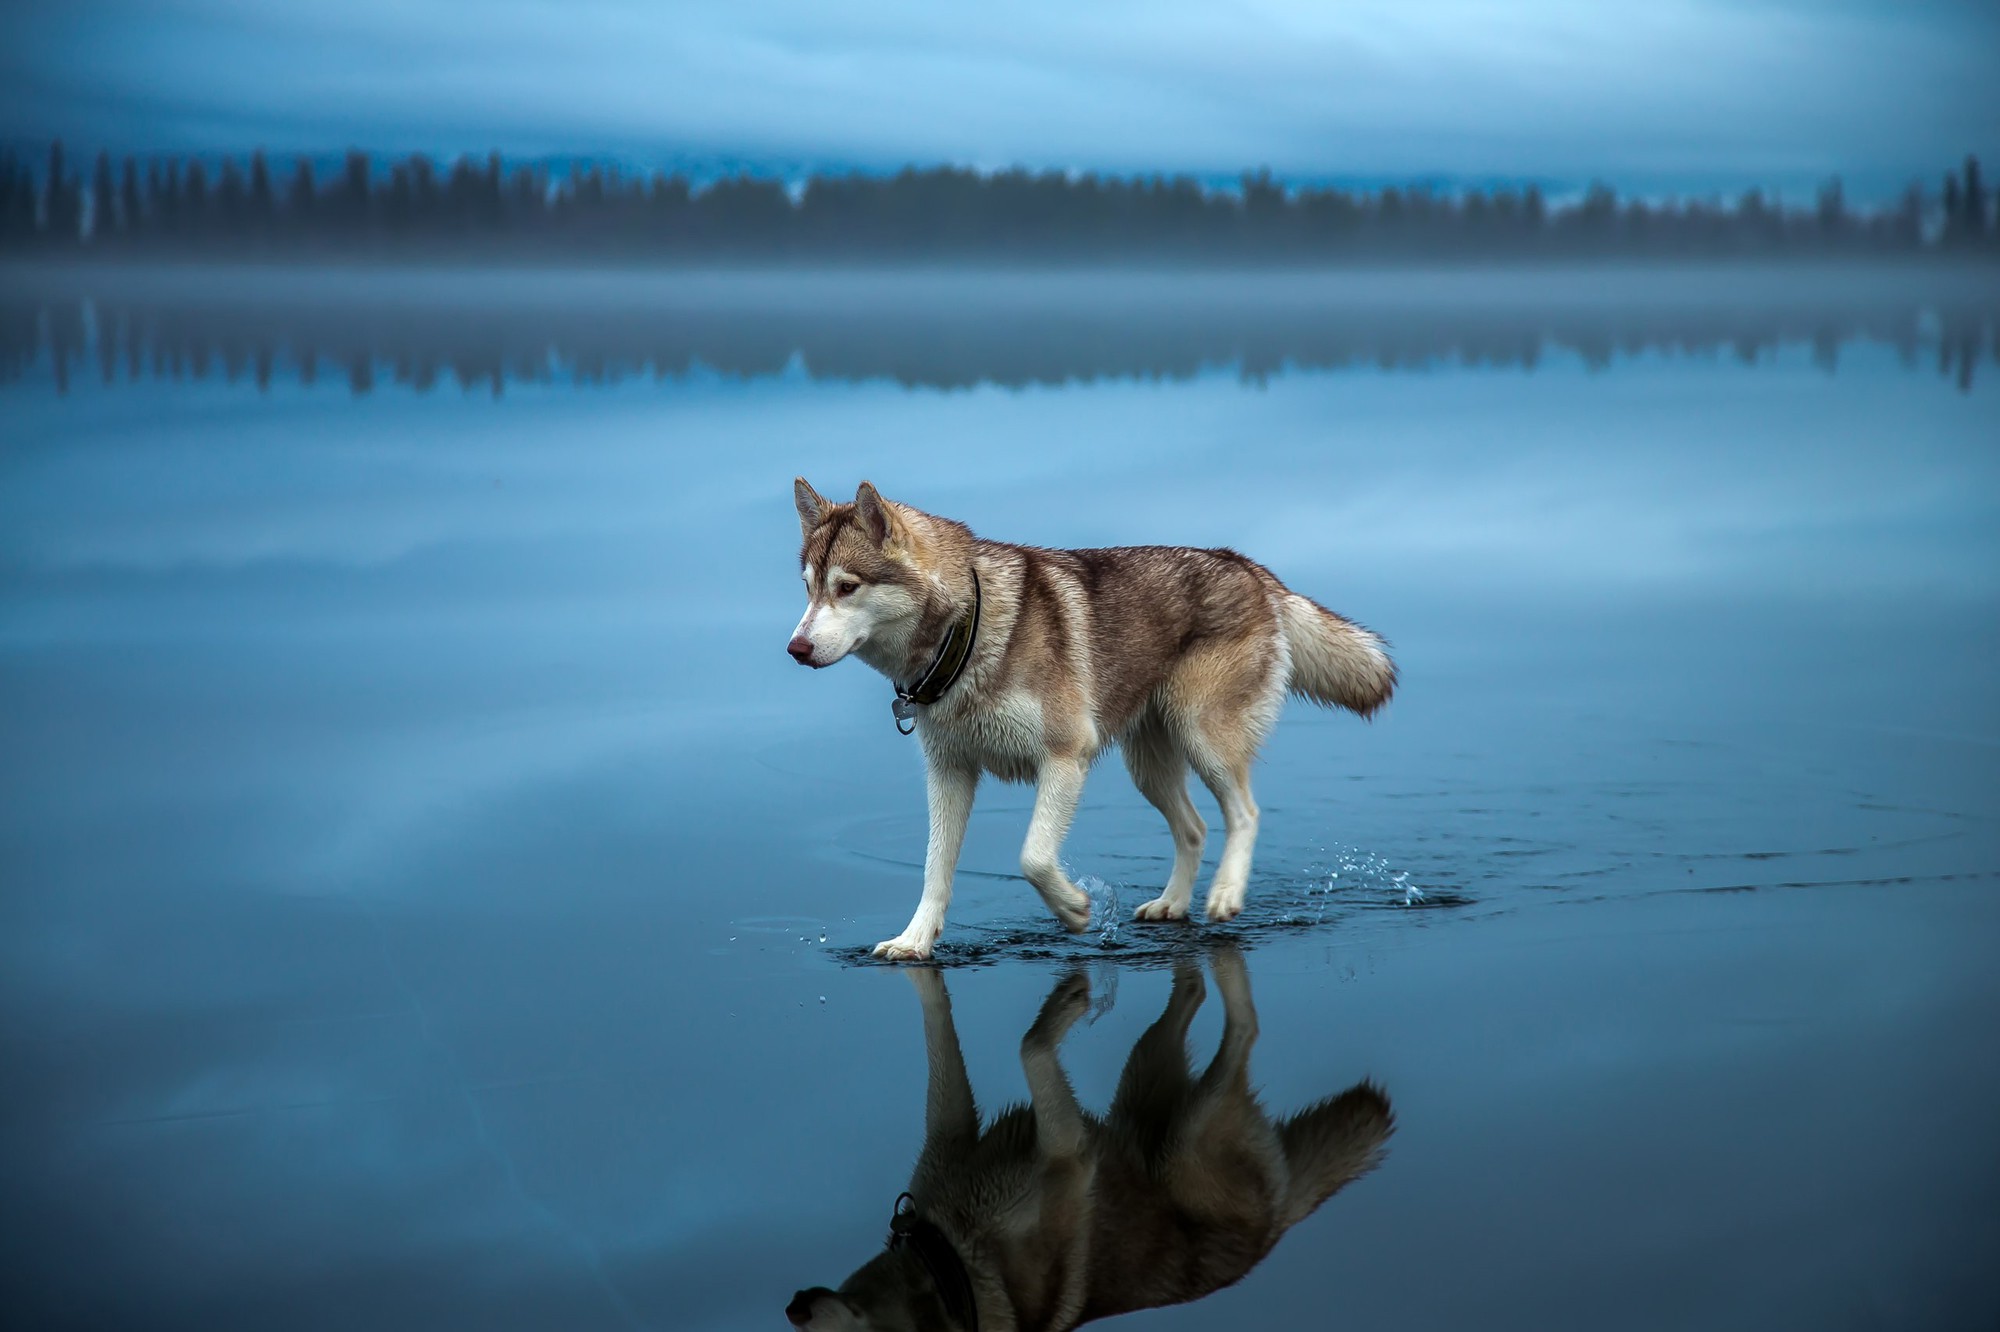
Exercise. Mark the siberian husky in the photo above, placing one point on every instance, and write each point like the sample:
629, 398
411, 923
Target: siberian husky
1027, 663
1054, 1216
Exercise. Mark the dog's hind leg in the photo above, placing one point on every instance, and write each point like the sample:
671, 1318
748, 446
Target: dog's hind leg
1230, 1069
1159, 770
1058, 787
1229, 779
951, 787
951, 1116
1156, 1080
1219, 705
1227, 1165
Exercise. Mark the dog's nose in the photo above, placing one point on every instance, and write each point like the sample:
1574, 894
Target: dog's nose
801, 649
800, 1311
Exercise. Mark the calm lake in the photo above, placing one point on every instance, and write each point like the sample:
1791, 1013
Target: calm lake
433, 898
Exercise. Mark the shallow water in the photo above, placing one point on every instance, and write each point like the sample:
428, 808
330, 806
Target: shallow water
432, 896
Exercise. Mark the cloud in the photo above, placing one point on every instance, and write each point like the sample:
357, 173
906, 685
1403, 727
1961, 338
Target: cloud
1368, 86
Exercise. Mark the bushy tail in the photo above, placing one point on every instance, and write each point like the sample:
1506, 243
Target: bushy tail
1335, 660
1332, 1144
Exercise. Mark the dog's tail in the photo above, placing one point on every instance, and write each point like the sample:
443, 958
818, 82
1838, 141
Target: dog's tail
1333, 1143
1334, 660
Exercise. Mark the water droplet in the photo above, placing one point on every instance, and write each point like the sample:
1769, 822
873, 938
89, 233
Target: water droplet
822, 936
822, 998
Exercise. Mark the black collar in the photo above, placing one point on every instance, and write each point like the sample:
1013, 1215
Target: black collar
945, 667
934, 1250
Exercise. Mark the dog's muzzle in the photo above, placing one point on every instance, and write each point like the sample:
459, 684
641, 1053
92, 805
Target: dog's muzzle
800, 1311
801, 649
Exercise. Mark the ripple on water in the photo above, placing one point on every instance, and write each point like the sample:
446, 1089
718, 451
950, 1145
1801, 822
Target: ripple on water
1340, 882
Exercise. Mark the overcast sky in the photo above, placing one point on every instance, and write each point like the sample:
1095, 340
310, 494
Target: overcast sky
1678, 92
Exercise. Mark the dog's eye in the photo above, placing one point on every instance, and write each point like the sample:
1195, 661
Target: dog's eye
846, 587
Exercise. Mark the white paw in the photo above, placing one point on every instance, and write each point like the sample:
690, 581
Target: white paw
1161, 908
903, 948
1224, 903
1073, 911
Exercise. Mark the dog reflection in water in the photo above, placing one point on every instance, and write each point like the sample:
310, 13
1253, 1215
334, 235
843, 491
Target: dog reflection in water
1054, 1216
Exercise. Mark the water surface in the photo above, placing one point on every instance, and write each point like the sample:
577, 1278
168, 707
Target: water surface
433, 897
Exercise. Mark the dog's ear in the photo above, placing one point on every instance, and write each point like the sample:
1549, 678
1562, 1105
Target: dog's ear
812, 505
877, 518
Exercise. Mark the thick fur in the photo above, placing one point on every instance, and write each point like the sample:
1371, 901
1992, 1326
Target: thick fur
1181, 657
1062, 1216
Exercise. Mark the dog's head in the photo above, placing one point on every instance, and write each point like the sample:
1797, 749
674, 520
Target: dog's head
864, 566
889, 1293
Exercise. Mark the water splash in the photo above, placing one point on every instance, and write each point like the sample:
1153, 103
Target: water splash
1351, 873
1334, 887
1105, 909
1103, 991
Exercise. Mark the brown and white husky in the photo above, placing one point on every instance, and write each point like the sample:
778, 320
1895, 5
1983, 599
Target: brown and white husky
1053, 1216
1028, 663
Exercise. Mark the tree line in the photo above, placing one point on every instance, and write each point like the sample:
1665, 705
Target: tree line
484, 207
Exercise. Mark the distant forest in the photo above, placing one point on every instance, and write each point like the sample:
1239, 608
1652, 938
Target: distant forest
485, 209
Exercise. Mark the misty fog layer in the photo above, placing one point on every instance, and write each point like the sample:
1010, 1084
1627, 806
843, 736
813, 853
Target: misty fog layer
487, 329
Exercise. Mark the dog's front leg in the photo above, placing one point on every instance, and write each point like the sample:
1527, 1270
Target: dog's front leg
1058, 788
951, 786
1060, 1200
1060, 1127
951, 1117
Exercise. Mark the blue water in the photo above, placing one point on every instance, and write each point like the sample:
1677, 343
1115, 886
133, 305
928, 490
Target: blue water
432, 896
